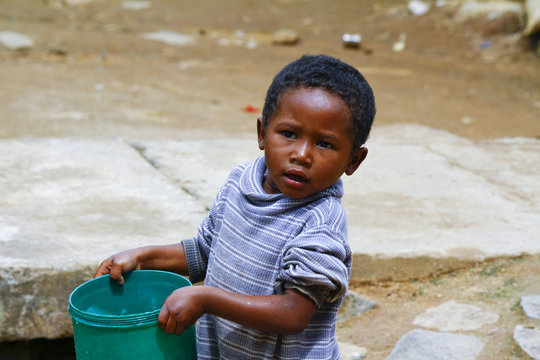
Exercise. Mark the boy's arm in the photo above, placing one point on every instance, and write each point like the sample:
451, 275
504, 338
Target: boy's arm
165, 257
284, 314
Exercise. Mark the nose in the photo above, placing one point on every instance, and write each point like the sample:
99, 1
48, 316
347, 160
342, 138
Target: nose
301, 154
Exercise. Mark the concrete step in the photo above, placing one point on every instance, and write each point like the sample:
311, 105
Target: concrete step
424, 202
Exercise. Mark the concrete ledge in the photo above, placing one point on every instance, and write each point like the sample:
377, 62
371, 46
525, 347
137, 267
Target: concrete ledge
425, 202
420, 192
35, 301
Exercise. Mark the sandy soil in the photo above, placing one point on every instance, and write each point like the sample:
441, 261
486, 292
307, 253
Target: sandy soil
92, 74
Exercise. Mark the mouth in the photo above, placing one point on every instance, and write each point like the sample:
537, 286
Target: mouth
296, 176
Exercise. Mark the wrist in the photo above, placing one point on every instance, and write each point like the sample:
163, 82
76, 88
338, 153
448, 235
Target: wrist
142, 255
205, 294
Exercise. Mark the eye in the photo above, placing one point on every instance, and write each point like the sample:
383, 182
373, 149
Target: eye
288, 134
325, 145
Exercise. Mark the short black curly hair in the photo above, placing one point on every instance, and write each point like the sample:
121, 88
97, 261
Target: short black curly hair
323, 71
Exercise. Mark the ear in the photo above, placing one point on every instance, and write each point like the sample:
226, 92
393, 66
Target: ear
260, 132
357, 157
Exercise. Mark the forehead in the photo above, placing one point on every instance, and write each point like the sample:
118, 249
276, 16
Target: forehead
317, 100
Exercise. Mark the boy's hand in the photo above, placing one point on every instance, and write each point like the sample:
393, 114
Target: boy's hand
119, 264
182, 309
281, 314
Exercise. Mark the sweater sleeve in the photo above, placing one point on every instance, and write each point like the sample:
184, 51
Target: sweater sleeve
317, 263
197, 249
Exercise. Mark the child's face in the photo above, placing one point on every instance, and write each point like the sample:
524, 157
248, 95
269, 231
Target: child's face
308, 143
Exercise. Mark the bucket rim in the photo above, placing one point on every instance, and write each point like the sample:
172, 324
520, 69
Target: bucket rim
127, 320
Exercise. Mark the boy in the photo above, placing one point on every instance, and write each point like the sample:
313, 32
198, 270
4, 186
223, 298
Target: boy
273, 249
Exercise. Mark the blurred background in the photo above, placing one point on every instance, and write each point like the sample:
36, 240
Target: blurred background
198, 69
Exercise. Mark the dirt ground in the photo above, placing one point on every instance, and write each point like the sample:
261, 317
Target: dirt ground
496, 286
92, 74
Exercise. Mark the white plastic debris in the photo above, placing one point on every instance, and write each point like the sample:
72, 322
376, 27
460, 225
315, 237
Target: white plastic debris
417, 7
15, 41
170, 37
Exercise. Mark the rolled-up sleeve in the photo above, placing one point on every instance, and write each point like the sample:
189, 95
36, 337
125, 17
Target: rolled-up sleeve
317, 263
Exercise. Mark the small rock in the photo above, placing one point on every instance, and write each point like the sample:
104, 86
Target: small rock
466, 120
15, 41
77, 2
285, 37
430, 345
251, 44
399, 45
529, 340
58, 51
531, 306
532, 8
417, 7
351, 41
492, 17
170, 37
440, 3
353, 305
452, 316
136, 5
224, 42
351, 352
64, 3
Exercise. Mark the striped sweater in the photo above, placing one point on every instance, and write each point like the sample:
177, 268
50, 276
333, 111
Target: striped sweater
256, 243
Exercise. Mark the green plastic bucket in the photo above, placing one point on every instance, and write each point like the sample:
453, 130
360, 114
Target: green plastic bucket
112, 321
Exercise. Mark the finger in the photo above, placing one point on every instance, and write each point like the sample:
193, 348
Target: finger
103, 269
180, 324
116, 274
171, 325
163, 317
179, 329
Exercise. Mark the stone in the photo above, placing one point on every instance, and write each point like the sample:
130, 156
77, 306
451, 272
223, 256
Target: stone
429, 345
351, 351
77, 2
16, 41
531, 306
353, 305
351, 41
285, 37
170, 37
136, 5
491, 17
34, 301
452, 316
528, 338
400, 45
532, 7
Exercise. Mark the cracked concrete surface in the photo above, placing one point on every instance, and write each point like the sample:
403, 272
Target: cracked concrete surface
424, 202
